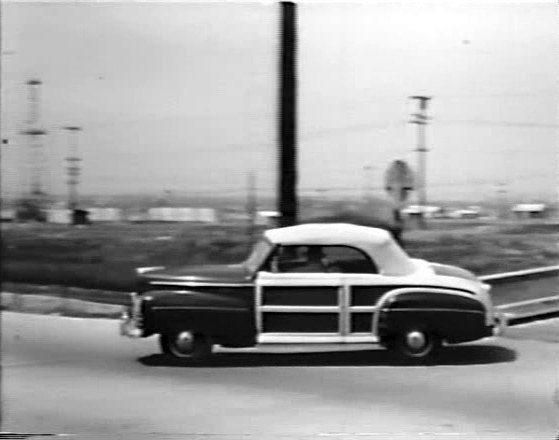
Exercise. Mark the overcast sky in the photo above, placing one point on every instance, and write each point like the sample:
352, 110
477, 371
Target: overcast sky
182, 96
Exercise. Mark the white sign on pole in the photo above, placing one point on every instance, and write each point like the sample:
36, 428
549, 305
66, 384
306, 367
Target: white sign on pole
399, 180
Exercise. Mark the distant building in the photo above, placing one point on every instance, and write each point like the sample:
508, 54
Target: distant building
83, 216
162, 214
136, 215
422, 211
59, 216
7, 215
105, 214
529, 210
467, 213
197, 215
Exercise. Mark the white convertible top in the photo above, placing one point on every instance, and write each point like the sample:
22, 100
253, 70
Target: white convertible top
375, 242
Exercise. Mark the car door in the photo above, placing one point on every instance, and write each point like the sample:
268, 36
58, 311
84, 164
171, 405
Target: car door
364, 292
297, 306
363, 286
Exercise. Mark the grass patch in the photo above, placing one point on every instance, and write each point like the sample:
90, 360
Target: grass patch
104, 256
488, 249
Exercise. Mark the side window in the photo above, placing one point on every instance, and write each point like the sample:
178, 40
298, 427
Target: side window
319, 259
346, 259
297, 259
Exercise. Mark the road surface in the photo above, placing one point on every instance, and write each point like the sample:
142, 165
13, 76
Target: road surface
78, 377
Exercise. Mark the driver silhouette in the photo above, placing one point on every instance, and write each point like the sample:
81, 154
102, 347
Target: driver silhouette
316, 261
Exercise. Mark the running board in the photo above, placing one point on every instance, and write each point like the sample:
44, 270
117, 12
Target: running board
280, 338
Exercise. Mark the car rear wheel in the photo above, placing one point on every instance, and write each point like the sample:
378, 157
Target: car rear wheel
416, 343
185, 344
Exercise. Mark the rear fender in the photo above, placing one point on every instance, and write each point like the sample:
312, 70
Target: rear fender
453, 316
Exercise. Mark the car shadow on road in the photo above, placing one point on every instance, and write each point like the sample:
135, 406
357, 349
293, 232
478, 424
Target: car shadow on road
453, 355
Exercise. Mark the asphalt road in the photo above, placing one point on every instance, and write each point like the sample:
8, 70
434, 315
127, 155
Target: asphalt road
78, 377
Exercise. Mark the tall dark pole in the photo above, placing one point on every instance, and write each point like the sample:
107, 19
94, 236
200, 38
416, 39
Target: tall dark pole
287, 197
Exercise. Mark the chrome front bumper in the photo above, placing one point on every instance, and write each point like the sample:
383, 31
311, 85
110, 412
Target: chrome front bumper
130, 320
129, 326
500, 324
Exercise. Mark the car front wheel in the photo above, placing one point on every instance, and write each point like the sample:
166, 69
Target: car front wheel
185, 344
416, 344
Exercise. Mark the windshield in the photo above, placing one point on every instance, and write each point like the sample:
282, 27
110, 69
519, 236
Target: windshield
259, 253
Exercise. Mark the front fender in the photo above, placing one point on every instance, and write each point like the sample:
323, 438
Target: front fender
228, 320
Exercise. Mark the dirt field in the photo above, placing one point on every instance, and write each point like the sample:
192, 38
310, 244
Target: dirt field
103, 256
488, 248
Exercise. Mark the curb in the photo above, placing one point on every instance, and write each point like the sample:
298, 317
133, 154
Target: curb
57, 306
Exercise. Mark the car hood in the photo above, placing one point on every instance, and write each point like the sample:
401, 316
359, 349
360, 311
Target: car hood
215, 273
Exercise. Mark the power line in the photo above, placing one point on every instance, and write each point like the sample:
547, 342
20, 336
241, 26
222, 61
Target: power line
481, 122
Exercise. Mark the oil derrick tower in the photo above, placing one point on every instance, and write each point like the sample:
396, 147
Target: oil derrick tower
73, 169
33, 203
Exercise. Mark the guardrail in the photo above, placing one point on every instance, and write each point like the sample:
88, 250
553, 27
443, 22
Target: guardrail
521, 312
551, 300
539, 272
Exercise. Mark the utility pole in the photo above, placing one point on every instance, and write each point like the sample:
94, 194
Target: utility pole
501, 190
287, 130
36, 165
421, 119
251, 206
35, 136
34, 99
33, 202
368, 187
73, 168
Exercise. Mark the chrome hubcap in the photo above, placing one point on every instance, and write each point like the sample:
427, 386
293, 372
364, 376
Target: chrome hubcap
416, 340
184, 342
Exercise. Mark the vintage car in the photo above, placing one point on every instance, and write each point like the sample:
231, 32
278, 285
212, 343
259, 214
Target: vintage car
313, 284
